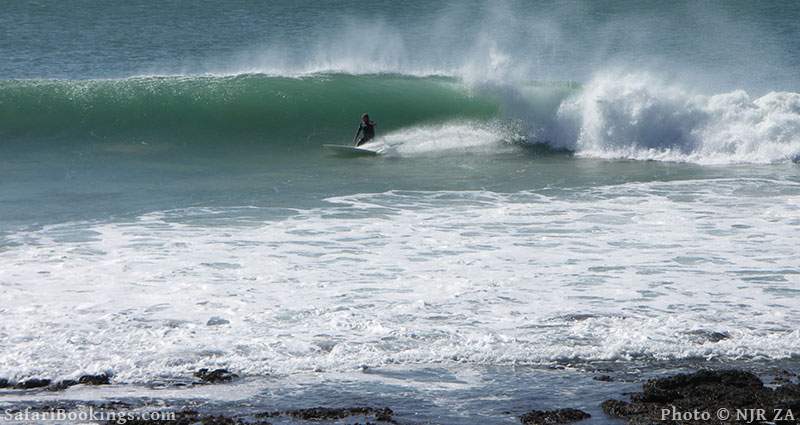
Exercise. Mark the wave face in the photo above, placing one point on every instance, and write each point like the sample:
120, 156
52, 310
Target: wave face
279, 108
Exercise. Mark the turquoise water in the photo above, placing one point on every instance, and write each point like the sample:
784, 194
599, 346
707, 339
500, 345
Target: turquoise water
563, 189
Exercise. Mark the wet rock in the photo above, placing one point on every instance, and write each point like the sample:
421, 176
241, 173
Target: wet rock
784, 377
217, 321
616, 408
5, 383
383, 414
704, 391
324, 413
703, 336
101, 379
190, 417
578, 317
114, 405
730, 382
319, 413
63, 385
215, 376
789, 391
560, 416
32, 383
217, 420
603, 378
718, 336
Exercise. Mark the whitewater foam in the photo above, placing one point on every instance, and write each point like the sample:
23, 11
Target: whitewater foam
635, 271
448, 139
637, 116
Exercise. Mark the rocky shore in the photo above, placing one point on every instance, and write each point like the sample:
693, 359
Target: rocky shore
709, 397
33, 383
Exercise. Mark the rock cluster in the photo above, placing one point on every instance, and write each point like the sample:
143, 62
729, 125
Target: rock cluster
548, 417
700, 397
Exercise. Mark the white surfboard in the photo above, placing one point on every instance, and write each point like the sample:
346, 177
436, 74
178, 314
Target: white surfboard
352, 151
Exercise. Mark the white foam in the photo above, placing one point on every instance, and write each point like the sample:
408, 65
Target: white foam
447, 138
619, 272
638, 116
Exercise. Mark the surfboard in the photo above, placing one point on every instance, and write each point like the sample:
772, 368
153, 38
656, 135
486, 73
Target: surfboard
352, 151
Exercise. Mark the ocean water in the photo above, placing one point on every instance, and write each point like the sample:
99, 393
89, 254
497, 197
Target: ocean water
564, 189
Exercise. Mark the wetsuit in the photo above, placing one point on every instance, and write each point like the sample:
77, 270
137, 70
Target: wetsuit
367, 132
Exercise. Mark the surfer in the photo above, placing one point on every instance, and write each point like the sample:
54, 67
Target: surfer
366, 129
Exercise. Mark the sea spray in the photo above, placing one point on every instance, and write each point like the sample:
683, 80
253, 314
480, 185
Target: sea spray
638, 116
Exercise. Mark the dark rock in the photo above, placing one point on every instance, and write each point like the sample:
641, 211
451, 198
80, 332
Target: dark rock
603, 378
116, 405
216, 321
788, 391
319, 413
101, 379
190, 417
578, 317
32, 383
703, 391
5, 383
733, 378
784, 377
325, 413
215, 376
63, 385
219, 420
615, 408
266, 414
704, 336
383, 414
665, 390
560, 416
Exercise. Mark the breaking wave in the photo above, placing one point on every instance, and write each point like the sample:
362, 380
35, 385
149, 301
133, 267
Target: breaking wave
615, 115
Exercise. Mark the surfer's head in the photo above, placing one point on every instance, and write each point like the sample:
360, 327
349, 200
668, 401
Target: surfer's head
365, 117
